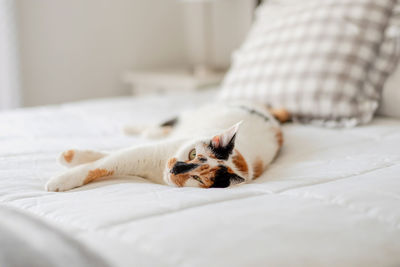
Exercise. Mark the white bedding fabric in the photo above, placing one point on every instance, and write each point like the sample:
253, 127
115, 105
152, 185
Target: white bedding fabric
332, 198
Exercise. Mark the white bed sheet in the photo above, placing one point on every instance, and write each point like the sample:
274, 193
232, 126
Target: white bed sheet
332, 197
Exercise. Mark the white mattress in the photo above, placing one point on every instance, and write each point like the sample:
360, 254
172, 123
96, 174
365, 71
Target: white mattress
332, 197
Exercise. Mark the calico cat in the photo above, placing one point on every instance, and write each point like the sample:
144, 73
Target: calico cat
217, 145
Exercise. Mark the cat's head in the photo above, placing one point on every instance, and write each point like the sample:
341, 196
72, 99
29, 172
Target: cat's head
208, 163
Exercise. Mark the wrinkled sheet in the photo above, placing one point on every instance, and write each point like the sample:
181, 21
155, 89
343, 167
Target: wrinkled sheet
27, 241
331, 198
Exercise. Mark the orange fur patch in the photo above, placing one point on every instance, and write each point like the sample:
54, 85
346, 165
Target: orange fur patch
68, 155
258, 168
206, 173
97, 173
203, 167
166, 129
180, 179
279, 137
240, 162
208, 177
230, 170
171, 163
280, 114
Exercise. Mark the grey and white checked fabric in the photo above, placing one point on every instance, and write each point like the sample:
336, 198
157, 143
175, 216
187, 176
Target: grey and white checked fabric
324, 60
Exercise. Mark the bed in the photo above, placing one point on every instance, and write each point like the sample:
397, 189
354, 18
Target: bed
332, 197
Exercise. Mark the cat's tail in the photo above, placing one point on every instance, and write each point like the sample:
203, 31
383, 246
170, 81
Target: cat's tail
154, 132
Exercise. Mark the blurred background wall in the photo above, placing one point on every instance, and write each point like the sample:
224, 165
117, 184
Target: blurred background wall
54, 51
9, 61
78, 49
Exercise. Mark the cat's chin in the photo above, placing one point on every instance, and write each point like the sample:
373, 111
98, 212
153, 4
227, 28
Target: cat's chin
192, 183
188, 183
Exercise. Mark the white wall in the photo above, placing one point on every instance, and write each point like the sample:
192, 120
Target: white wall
77, 49
9, 79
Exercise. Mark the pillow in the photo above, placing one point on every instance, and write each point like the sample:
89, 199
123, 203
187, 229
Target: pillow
390, 101
324, 61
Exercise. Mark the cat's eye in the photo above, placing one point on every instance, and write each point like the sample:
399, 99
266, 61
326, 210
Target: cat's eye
197, 178
192, 154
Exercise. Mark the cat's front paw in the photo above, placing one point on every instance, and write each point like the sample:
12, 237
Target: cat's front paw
59, 184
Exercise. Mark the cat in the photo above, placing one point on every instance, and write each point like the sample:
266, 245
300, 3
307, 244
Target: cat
215, 146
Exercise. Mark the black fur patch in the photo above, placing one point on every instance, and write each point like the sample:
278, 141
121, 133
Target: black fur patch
202, 159
223, 152
255, 112
223, 178
182, 167
171, 122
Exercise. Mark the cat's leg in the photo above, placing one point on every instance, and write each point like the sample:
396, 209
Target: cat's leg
74, 157
77, 176
145, 161
156, 131
153, 132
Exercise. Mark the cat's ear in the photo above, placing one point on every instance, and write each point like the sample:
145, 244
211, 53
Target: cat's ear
222, 144
227, 137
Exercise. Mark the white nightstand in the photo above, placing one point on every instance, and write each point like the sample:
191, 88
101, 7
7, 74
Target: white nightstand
164, 81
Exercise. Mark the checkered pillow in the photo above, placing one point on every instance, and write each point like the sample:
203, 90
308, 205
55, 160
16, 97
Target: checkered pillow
389, 105
324, 61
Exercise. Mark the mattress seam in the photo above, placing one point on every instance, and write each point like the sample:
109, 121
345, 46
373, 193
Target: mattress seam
381, 219
255, 194
281, 192
339, 178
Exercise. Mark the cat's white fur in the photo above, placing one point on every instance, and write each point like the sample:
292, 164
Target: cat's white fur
257, 140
